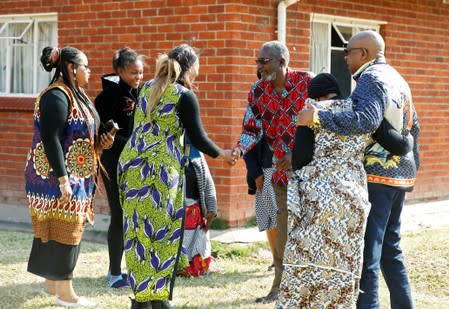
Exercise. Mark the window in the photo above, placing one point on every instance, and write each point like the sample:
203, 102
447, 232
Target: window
22, 38
329, 37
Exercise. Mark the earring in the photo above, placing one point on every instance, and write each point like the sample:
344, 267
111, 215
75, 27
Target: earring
74, 74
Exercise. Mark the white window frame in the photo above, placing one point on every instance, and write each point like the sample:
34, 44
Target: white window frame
335, 22
31, 20
7, 23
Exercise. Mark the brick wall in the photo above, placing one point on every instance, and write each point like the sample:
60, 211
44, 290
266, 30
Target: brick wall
228, 34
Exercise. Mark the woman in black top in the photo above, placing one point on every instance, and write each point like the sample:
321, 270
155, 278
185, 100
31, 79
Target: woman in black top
60, 172
116, 102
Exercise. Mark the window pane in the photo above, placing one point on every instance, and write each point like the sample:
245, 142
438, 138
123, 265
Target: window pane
21, 43
340, 70
46, 37
336, 40
319, 48
22, 69
328, 39
15, 29
345, 32
3, 62
22, 61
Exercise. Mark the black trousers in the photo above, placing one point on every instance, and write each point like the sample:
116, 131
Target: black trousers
115, 232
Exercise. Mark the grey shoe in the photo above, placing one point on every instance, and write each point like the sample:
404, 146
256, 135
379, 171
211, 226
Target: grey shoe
161, 304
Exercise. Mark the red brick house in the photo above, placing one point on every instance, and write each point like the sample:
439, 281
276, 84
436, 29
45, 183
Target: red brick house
228, 34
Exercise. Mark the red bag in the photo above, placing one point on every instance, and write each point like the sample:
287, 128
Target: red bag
193, 217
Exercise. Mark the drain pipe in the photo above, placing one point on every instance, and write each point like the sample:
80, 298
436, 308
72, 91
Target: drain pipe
282, 18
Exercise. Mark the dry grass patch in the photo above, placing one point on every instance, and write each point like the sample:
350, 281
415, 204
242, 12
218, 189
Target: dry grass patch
241, 275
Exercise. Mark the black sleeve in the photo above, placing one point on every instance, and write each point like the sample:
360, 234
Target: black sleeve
191, 184
106, 104
303, 151
392, 140
189, 114
54, 109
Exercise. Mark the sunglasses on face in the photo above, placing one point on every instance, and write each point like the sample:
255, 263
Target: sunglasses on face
263, 61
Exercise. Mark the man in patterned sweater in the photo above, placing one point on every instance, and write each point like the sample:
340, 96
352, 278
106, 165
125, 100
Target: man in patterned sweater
381, 92
273, 103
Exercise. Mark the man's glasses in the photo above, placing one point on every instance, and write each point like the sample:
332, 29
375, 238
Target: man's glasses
347, 51
263, 61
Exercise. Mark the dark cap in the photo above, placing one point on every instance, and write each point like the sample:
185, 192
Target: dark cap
323, 84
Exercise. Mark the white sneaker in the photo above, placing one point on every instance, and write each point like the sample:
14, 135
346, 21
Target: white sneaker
82, 302
45, 293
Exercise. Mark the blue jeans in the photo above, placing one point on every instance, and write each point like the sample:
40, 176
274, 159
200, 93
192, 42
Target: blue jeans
382, 250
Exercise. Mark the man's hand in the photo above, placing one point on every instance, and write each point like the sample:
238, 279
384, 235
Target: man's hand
259, 183
305, 116
285, 163
236, 154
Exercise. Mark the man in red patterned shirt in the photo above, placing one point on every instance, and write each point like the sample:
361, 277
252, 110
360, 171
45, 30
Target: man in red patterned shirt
273, 103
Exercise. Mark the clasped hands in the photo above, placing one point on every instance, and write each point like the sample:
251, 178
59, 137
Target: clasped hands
231, 156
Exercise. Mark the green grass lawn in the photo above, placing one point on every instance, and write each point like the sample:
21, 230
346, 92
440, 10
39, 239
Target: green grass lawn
241, 275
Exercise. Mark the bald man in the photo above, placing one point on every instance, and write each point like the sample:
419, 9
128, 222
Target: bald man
381, 93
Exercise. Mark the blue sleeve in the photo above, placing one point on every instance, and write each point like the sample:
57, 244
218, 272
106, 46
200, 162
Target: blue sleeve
369, 99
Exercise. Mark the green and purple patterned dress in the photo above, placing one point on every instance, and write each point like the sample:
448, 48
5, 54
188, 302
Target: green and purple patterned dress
150, 178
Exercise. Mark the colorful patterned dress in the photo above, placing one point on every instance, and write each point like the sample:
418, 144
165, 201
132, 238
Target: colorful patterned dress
328, 206
63, 223
150, 178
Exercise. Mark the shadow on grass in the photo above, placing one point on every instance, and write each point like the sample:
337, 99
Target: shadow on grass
218, 280
243, 303
18, 295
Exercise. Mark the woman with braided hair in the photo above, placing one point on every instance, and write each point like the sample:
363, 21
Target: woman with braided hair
60, 172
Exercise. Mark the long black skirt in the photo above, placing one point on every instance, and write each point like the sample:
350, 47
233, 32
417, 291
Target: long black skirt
53, 260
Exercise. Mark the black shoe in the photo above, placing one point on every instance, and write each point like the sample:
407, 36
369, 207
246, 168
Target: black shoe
137, 305
161, 304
